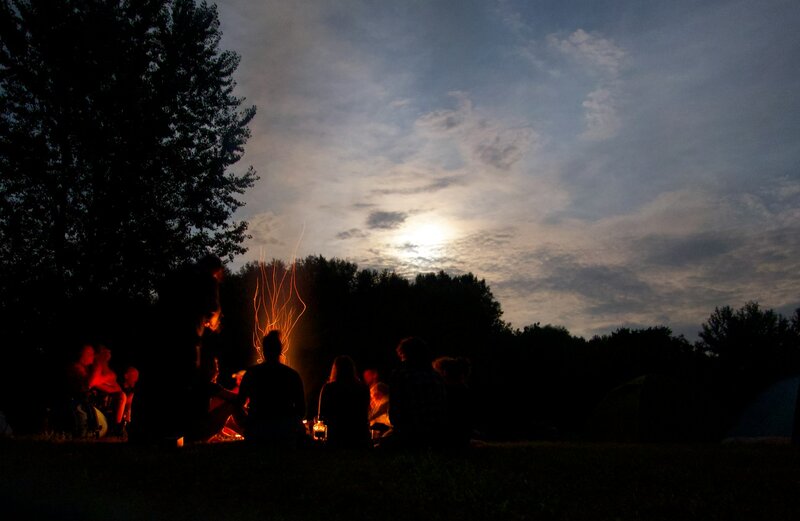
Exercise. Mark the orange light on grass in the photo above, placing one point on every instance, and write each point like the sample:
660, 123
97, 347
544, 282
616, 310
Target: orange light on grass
277, 305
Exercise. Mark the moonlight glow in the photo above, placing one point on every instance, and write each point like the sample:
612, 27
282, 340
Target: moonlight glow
425, 238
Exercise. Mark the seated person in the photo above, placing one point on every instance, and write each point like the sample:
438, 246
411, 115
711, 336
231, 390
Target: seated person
224, 411
378, 403
74, 412
344, 406
379, 408
109, 395
274, 393
129, 380
418, 408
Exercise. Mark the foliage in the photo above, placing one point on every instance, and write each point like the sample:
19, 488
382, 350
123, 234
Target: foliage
118, 129
749, 348
751, 340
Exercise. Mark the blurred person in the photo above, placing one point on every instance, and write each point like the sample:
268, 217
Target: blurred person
379, 397
418, 405
109, 396
74, 411
129, 380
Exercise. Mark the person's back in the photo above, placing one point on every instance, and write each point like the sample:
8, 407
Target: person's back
344, 406
275, 391
275, 395
418, 405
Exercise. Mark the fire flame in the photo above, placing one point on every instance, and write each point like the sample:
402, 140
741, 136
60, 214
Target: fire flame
277, 305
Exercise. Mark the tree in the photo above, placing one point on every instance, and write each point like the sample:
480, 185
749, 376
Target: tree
119, 126
752, 343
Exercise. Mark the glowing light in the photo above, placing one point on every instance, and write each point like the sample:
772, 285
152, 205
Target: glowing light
424, 239
277, 305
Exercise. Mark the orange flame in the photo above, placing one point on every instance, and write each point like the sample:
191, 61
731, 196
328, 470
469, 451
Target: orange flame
277, 305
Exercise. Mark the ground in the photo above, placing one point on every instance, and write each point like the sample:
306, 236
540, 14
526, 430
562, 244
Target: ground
109, 481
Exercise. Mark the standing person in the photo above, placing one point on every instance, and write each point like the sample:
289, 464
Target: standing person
418, 405
344, 406
172, 395
276, 398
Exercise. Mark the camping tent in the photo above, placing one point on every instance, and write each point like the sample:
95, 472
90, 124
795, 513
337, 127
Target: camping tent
771, 416
652, 408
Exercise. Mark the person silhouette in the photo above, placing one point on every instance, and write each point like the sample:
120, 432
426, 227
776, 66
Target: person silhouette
344, 404
418, 404
274, 397
172, 397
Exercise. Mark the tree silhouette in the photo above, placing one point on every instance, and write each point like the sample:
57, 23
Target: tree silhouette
750, 348
752, 341
118, 129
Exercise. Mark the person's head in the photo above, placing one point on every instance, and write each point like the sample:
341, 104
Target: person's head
453, 370
371, 376
103, 354
271, 346
131, 376
414, 351
86, 355
379, 391
213, 265
343, 370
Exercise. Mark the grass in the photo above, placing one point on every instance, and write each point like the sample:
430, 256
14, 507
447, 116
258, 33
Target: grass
109, 481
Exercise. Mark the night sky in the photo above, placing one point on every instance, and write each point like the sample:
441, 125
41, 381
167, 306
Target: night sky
600, 164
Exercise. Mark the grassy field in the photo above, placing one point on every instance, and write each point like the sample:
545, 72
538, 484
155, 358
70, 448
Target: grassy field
109, 481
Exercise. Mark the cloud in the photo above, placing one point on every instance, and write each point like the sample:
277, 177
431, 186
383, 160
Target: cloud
434, 186
684, 250
602, 121
353, 233
446, 120
386, 220
263, 228
503, 148
604, 59
484, 139
618, 171
597, 52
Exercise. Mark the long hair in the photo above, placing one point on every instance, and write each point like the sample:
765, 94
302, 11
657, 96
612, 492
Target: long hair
343, 370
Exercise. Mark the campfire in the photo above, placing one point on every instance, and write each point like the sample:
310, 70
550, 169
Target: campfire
277, 305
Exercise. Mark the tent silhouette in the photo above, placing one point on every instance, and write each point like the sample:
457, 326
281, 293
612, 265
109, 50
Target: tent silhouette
771, 416
652, 408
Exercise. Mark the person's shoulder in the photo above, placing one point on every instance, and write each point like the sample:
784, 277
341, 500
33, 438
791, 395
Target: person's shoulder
253, 370
288, 370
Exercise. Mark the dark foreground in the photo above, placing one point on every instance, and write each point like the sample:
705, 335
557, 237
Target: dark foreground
109, 481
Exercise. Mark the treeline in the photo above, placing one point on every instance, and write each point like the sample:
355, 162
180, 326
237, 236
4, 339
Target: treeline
540, 381
531, 383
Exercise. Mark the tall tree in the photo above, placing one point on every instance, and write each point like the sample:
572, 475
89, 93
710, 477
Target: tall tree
118, 132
